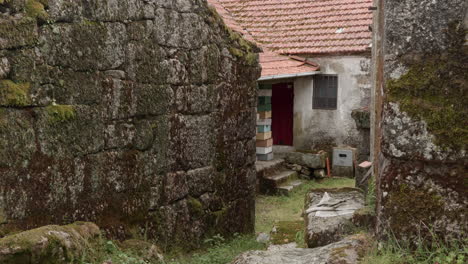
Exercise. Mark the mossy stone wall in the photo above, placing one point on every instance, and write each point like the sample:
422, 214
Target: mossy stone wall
132, 114
423, 162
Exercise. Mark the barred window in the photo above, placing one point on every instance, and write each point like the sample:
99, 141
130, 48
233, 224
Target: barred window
325, 92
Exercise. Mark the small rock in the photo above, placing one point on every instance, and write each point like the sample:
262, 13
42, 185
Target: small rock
263, 238
296, 167
319, 173
306, 171
4, 68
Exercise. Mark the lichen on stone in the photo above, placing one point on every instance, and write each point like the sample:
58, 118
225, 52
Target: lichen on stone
14, 94
434, 89
60, 113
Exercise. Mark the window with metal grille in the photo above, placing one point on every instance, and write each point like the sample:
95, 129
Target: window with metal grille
325, 92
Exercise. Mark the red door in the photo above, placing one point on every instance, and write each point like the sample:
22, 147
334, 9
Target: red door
282, 102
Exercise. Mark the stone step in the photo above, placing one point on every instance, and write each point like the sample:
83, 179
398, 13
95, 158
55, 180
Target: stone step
269, 183
282, 177
288, 187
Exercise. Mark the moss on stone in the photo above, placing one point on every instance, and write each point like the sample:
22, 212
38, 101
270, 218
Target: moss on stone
195, 206
411, 208
434, 90
14, 94
60, 113
36, 9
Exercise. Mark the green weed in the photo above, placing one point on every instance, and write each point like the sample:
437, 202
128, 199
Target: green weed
395, 251
222, 251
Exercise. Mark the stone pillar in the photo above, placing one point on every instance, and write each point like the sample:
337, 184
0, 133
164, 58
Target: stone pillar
420, 130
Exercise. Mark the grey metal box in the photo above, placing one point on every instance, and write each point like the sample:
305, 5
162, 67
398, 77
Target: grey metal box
343, 157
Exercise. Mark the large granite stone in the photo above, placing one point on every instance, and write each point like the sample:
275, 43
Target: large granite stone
421, 115
346, 251
328, 214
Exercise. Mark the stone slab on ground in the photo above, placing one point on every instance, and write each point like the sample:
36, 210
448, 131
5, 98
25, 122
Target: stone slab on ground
311, 160
346, 251
328, 214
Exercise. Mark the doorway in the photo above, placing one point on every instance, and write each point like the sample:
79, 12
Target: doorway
282, 102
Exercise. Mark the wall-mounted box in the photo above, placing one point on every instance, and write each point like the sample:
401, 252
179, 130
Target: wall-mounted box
344, 159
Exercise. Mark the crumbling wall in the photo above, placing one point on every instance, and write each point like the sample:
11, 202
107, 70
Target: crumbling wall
422, 164
138, 115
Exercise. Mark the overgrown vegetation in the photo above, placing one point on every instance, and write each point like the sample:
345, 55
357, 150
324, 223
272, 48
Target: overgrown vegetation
220, 251
395, 251
111, 253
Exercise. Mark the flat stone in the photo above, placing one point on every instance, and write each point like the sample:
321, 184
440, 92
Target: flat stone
314, 161
328, 214
342, 252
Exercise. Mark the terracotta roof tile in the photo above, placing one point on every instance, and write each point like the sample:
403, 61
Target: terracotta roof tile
302, 26
274, 64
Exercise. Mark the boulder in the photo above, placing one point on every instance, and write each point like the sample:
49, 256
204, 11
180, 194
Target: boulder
306, 159
328, 214
48, 244
346, 251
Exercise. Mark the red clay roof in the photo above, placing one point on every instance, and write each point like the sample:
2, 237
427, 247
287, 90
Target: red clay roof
302, 26
273, 64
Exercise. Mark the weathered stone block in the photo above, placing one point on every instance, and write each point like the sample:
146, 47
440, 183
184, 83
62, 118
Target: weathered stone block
311, 160
328, 214
48, 244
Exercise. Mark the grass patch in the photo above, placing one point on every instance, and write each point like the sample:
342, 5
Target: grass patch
272, 209
400, 252
219, 251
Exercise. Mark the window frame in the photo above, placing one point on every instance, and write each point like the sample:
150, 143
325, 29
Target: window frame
315, 91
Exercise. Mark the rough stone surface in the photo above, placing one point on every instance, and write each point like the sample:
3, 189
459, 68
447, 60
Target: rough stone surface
422, 165
346, 251
310, 160
131, 114
48, 244
328, 220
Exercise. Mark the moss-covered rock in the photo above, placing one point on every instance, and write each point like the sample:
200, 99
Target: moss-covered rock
49, 244
17, 32
434, 89
35, 9
14, 94
60, 113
